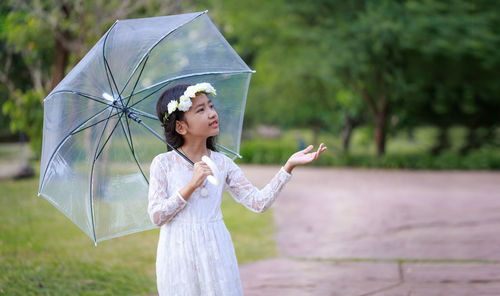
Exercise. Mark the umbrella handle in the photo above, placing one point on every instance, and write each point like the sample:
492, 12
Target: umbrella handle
214, 179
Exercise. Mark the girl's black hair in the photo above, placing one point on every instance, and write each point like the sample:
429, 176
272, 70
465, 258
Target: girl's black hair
171, 135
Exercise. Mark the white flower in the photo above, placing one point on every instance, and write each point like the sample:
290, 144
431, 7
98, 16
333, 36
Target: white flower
185, 105
184, 98
211, 90
205, 87
190, 91
172, 106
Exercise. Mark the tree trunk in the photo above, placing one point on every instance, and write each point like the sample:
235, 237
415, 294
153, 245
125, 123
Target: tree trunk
61, 52
346, 134
379, 108
443, 141
61, 57
473, 141
381, 130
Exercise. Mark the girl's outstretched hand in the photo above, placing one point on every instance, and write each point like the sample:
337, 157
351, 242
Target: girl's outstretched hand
304, 157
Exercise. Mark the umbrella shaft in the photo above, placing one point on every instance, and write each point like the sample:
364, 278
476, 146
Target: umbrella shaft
132, 115
161, 138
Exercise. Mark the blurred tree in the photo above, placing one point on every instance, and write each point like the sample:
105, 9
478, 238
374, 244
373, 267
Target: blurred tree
321, 64
454, 64
414, 62
353, 114
285, 42
368, 58
26, 55
51, 37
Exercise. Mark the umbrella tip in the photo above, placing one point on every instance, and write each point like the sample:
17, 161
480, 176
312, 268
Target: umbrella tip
95, 243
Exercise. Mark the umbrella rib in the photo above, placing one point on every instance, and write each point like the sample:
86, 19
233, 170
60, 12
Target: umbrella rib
164, 141
229, 150
85, 95
131, 146
147, 115
93, 124
136, 82
96, 156
161, 84
92, 170
146, 54
63, 141
113, 78
104, 59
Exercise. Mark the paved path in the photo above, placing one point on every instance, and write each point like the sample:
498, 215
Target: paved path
381, 232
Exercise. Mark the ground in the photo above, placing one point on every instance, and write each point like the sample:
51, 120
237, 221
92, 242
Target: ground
381, 232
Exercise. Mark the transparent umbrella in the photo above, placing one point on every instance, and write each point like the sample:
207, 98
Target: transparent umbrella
100, 129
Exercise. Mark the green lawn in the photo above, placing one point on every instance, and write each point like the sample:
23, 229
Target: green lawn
44, 253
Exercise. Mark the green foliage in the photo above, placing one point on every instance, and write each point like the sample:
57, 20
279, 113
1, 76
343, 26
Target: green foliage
264, 151
403, 153
320, 64
26, 115
29, 35
29, 30
425, 62
453, 62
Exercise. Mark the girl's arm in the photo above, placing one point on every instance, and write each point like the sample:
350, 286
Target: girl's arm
260, 200
250, 196
162, 208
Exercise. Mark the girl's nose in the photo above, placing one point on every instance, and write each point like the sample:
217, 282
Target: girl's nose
212, 113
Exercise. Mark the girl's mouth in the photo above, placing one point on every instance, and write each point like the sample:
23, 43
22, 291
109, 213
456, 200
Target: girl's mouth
214, 124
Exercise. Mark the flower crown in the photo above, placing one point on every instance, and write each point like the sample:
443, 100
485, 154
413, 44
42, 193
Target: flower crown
185, 100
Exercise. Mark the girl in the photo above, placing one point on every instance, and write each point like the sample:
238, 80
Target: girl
195, 254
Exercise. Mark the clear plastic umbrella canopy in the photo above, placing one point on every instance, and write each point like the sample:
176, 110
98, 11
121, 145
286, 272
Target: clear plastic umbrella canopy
100, 128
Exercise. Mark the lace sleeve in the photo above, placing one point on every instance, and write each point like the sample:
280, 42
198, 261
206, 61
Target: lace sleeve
250, 196
161, 208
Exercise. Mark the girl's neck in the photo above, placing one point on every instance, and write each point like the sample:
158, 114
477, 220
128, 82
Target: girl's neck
195, 149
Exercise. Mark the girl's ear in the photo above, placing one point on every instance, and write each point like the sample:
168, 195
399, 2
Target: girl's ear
180, 127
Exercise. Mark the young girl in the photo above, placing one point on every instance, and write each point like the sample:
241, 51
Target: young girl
195, 254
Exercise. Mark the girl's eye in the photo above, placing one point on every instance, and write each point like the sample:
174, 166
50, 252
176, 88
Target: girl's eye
199, 110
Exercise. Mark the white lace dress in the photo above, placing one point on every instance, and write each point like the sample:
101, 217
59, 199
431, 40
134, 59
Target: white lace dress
195, 253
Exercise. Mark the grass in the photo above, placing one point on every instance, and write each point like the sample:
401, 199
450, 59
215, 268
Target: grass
44, 253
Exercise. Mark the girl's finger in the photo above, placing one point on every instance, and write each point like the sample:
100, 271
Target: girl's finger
319, 151
308, 148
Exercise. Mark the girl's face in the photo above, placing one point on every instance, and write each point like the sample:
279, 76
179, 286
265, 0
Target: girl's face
202, 119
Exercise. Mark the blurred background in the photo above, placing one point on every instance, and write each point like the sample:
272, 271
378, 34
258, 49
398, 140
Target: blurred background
387, 84
401, 84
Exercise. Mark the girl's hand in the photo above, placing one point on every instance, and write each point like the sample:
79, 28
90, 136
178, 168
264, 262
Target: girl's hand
201, 171
303, 157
